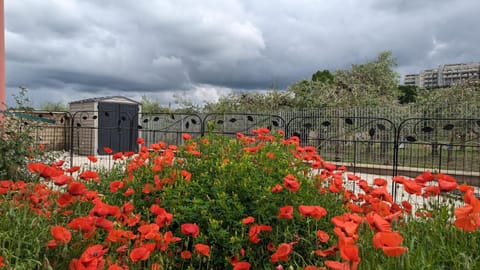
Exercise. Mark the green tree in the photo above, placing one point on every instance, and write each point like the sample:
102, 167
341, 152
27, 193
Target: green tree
408, 94
459, 100
58, 106
259, 102
323, 76
371, 83
16, 141
152, 106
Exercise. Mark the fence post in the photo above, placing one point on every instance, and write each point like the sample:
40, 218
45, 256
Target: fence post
396, 148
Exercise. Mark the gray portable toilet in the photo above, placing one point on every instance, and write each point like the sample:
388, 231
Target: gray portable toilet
104, 122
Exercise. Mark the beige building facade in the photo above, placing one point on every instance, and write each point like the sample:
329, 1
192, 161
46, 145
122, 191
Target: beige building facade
444, 75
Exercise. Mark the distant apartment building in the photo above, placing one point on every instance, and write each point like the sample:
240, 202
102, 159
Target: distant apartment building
411, 79
444, 75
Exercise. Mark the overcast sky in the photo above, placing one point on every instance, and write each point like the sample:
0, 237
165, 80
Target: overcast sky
65, 50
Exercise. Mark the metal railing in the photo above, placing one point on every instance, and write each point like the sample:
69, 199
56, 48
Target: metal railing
368, 144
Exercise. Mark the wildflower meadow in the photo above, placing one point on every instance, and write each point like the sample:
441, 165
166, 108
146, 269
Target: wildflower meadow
243, 202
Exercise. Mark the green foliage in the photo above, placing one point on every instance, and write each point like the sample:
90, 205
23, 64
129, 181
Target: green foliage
22, 237
152, 106
408, 94
16, 142
433, 243
268, 102
228, 184
371, 83
58, 106
323, 76
459, 98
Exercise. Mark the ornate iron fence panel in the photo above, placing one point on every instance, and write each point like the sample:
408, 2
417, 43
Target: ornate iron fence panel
442, 145
231, 123
168, 127
365, 145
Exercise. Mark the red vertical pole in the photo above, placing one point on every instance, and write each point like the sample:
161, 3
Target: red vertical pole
2, 59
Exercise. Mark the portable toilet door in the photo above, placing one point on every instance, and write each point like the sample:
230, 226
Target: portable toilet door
117, 126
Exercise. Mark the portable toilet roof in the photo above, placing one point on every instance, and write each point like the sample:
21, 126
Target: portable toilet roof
113, 99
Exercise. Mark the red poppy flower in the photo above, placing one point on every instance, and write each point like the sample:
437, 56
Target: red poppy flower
163, 218
407, 205
107, 150
312, 211
291, 183
394, 251
412, 187
286, 212
446, 182
190, 229
60, 234
248, 220
282, 252
83, 224
58, 163
62, 180
72, 169
102, 209
426, 176
464, 188
270, 155
277, 188
51, 244
115, 267
128, 192
468, 216
118, 155
322, 236
65, 199
93, 159
399, 179
186, 175
185, 254
380, 182
329, 166
139, 254
166, 240
149, 231
331, 251
76, 188
353, 177
140, 140
429, 191
2, 264
388, 239
334, 265
241, 266
36, 167
129, 153
378, 222
92, 258
349, 252
89, 175
116, 185
186, 136
202, 249
364, 186
255, 231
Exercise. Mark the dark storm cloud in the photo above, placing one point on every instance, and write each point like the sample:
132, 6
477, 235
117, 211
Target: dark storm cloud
200, 50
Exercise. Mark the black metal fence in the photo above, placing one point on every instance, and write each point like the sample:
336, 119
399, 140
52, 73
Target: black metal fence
371, 145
